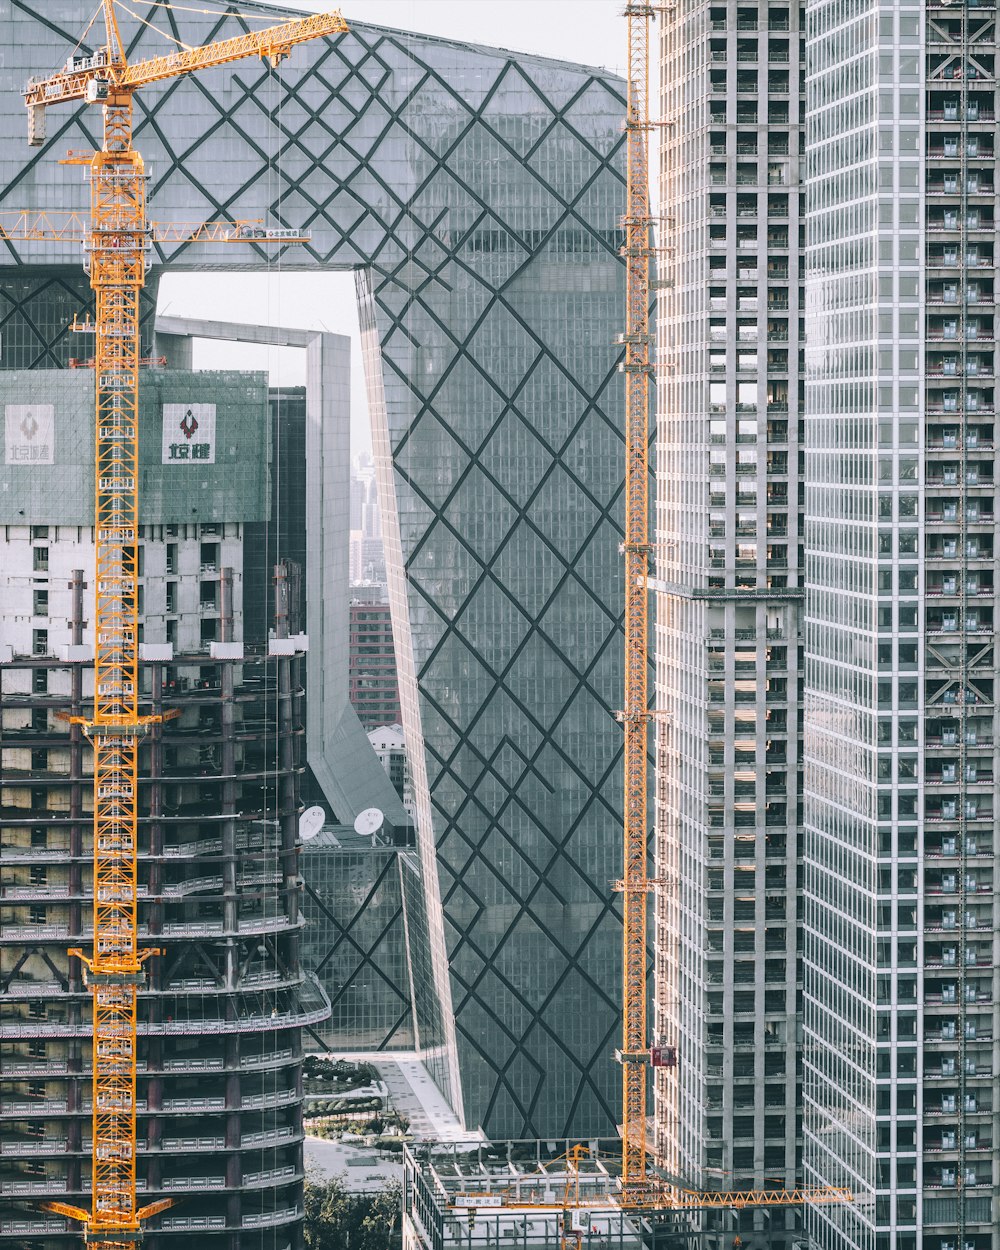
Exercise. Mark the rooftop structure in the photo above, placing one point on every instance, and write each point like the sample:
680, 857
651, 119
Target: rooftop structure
514, 1194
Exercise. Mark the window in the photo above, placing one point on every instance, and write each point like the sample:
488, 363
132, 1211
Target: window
40, 559
40, 603
171, 596
39, 642
40, 531
39, 681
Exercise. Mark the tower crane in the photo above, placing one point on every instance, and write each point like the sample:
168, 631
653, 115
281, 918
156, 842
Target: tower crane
41, 226
598, 1197
635, 1053
117, 241
638, 1189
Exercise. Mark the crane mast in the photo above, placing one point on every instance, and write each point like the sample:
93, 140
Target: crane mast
117, 259
635, 716
117, 248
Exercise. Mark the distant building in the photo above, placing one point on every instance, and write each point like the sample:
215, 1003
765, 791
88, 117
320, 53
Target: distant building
389, 745
365, 514
374, 689
367, 559
367, 548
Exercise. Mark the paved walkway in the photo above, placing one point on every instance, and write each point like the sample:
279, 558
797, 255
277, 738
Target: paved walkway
412, 1093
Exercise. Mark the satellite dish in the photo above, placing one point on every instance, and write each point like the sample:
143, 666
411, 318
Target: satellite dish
311, 822
368, 821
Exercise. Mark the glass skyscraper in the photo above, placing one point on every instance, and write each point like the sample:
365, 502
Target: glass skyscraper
878, 963
476, 194
900, 1020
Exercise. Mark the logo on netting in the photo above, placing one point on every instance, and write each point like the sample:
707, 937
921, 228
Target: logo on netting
189, 433
29, 434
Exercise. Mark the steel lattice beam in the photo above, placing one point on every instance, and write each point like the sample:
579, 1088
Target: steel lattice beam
636, 368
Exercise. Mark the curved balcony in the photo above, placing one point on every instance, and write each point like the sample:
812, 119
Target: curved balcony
312, 1008
170, 893
172, 931
48, 1107
48, 1069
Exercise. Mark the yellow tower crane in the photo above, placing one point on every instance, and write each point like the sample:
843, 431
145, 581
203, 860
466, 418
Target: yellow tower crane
635, 1053
597, 1197
116, 246
640, 1190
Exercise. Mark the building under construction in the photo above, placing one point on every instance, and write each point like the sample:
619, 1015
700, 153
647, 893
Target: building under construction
221, 1019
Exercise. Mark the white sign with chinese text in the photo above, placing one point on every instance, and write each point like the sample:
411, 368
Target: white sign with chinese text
29, 434
189, 433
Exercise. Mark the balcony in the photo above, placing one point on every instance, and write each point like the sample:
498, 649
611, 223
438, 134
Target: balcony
951, 113
935, 515
974, 441
976, 147
948, 220
980, 366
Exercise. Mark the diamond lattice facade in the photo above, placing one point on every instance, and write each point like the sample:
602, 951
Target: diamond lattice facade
477, 195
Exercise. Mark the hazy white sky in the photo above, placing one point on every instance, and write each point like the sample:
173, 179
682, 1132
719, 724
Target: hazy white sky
591, 31
588, 31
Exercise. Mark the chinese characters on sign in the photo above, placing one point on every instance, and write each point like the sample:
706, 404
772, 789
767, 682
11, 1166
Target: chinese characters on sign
189, 433
29, 434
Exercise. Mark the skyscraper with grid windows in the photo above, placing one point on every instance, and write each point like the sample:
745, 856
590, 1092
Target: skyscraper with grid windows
728, 633
888, 501
900, 966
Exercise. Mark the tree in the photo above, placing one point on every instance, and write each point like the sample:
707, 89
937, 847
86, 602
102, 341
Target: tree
338, 1220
